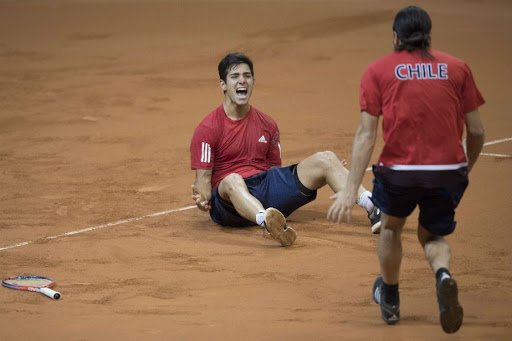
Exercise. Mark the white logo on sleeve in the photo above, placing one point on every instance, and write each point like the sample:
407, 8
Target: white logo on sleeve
262, 139
206, 152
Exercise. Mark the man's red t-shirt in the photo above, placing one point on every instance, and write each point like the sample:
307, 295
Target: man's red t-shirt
423, 102
246, 147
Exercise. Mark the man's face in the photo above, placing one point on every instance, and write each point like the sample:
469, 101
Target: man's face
238, 85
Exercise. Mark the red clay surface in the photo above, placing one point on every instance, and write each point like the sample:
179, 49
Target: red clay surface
98, 101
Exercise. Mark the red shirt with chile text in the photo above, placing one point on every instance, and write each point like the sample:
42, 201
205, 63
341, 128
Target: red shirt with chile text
423, 102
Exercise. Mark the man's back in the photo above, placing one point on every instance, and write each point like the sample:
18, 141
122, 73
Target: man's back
423, 101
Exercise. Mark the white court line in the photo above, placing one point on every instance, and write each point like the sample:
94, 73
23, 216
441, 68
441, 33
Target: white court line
97, 227
505, 156
497, 141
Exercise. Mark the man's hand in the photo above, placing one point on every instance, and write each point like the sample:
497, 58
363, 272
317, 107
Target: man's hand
201, 201
202, 189
342, 207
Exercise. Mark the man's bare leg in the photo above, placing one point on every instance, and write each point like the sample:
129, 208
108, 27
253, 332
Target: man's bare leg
233, 189
438, 253
390, 248
385, 289
324, 168
436, 248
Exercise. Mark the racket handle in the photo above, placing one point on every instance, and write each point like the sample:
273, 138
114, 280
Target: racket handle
50, 293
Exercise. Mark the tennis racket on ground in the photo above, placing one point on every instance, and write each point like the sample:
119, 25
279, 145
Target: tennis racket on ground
32, 283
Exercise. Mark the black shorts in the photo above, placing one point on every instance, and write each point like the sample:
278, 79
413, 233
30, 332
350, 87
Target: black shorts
437, 203
278, 187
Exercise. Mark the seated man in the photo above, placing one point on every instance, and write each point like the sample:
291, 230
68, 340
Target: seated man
235, 151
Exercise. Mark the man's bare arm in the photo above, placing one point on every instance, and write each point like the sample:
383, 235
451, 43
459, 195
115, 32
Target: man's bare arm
475, 137
362, 150
202, 189
364, 143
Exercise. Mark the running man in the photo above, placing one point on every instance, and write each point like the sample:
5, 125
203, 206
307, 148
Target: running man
236, 154
425, 97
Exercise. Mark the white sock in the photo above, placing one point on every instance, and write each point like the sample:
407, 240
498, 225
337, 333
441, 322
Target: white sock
444, 275
260, 218
365, 202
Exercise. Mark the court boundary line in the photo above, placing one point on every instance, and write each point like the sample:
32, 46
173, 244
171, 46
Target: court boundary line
503, 156
98, 227
506, 139
161, 213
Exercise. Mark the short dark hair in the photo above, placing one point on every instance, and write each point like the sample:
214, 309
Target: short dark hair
232, 59
412, 25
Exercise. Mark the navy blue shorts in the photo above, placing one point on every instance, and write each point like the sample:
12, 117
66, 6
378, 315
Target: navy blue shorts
437, 204
278, 187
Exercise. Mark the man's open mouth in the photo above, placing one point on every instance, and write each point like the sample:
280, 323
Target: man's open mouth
241, 91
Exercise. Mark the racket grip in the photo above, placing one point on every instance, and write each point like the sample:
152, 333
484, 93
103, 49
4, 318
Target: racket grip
50, 293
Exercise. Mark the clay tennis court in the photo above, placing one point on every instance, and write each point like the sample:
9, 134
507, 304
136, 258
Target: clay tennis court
98, 102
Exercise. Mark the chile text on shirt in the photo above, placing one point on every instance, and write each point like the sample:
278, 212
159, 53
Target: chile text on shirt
421, 71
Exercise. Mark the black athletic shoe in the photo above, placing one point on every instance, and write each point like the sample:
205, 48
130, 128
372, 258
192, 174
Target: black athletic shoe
390, 313
374, 217
451, 313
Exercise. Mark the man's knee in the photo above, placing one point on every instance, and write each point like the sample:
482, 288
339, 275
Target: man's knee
325, 159
425, 236
391, 223
231, 183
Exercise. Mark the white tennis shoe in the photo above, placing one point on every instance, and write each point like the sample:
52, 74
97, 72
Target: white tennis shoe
275, 224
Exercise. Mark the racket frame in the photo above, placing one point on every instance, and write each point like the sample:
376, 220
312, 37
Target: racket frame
43, 289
